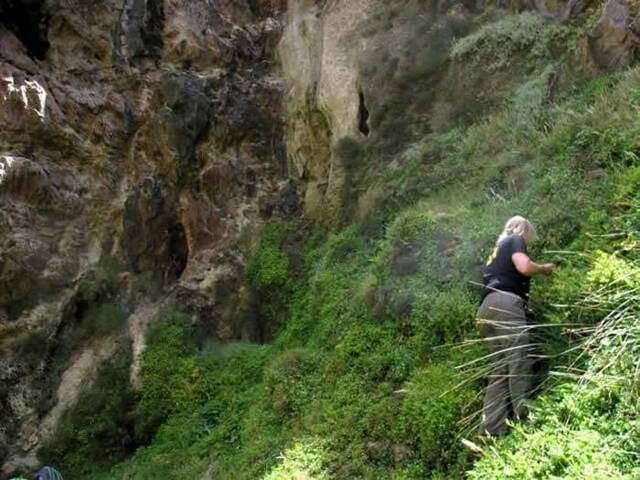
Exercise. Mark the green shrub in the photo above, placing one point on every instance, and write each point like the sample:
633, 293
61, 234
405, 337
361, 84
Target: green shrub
268, 265
597, 86
340, 246
528, 112
172, 381
302, 460
443, 317
611, 270
289, 381
411, 226
498, 42
181, 450
98, 431
430, 415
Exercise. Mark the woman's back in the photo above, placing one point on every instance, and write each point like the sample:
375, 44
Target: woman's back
500, 274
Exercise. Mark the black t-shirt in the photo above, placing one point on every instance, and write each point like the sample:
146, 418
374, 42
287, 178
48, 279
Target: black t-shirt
501, 274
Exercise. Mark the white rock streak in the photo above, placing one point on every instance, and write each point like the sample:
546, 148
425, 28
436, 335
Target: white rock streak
32, 95
5, 164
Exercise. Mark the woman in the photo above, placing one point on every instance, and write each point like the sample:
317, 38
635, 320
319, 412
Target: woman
503, 323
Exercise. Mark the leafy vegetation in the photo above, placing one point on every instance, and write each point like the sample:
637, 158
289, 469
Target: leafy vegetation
501, 40
362, 381
376, 370
586, 426
271, 271
269, 265
172, 380
98, 431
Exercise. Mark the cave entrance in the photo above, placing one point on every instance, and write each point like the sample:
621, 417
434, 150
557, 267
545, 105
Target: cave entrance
28, 22
363, 115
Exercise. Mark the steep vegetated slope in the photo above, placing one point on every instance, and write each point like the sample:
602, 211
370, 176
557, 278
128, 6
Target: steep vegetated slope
414, 131
374, 373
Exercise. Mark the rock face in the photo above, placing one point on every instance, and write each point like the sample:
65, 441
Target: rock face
158, 133
614, 43
322, 104
368, 70
153, 236
149, 132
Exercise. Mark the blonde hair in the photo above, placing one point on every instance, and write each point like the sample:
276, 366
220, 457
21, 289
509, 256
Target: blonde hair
517, 226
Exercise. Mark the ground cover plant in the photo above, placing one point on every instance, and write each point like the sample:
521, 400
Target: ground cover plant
585, 425
375, 367
363, 379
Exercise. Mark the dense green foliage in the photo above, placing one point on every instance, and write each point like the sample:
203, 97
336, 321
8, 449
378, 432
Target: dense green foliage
375, 370
99, 431
335, 373
170, 375
270, 272
362, 381
586, 425
498, 42
269, 265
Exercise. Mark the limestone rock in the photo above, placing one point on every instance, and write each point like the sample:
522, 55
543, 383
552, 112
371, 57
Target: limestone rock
371, 71
614, 43
43, 185
153, 237
149, 133
176, 115
323, 96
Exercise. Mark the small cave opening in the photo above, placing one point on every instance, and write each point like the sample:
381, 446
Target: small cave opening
363, 116
178, 252
28, 21
153, 24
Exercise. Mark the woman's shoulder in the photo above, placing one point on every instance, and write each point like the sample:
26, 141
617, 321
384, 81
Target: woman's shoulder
514, 241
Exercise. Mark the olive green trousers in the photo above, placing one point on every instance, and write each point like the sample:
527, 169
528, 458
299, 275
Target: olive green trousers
503, 324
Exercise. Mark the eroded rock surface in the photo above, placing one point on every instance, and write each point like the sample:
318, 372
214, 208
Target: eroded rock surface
614, 43
149, 133
368, 70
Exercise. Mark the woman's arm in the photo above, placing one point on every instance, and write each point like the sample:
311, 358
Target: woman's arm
528, 267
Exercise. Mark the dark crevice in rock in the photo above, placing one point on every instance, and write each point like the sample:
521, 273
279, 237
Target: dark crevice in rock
154, 239
81, 308
143, 28
153, 23
187, 118
250, 189
28, 21
178, 252
363, 115
266, 8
